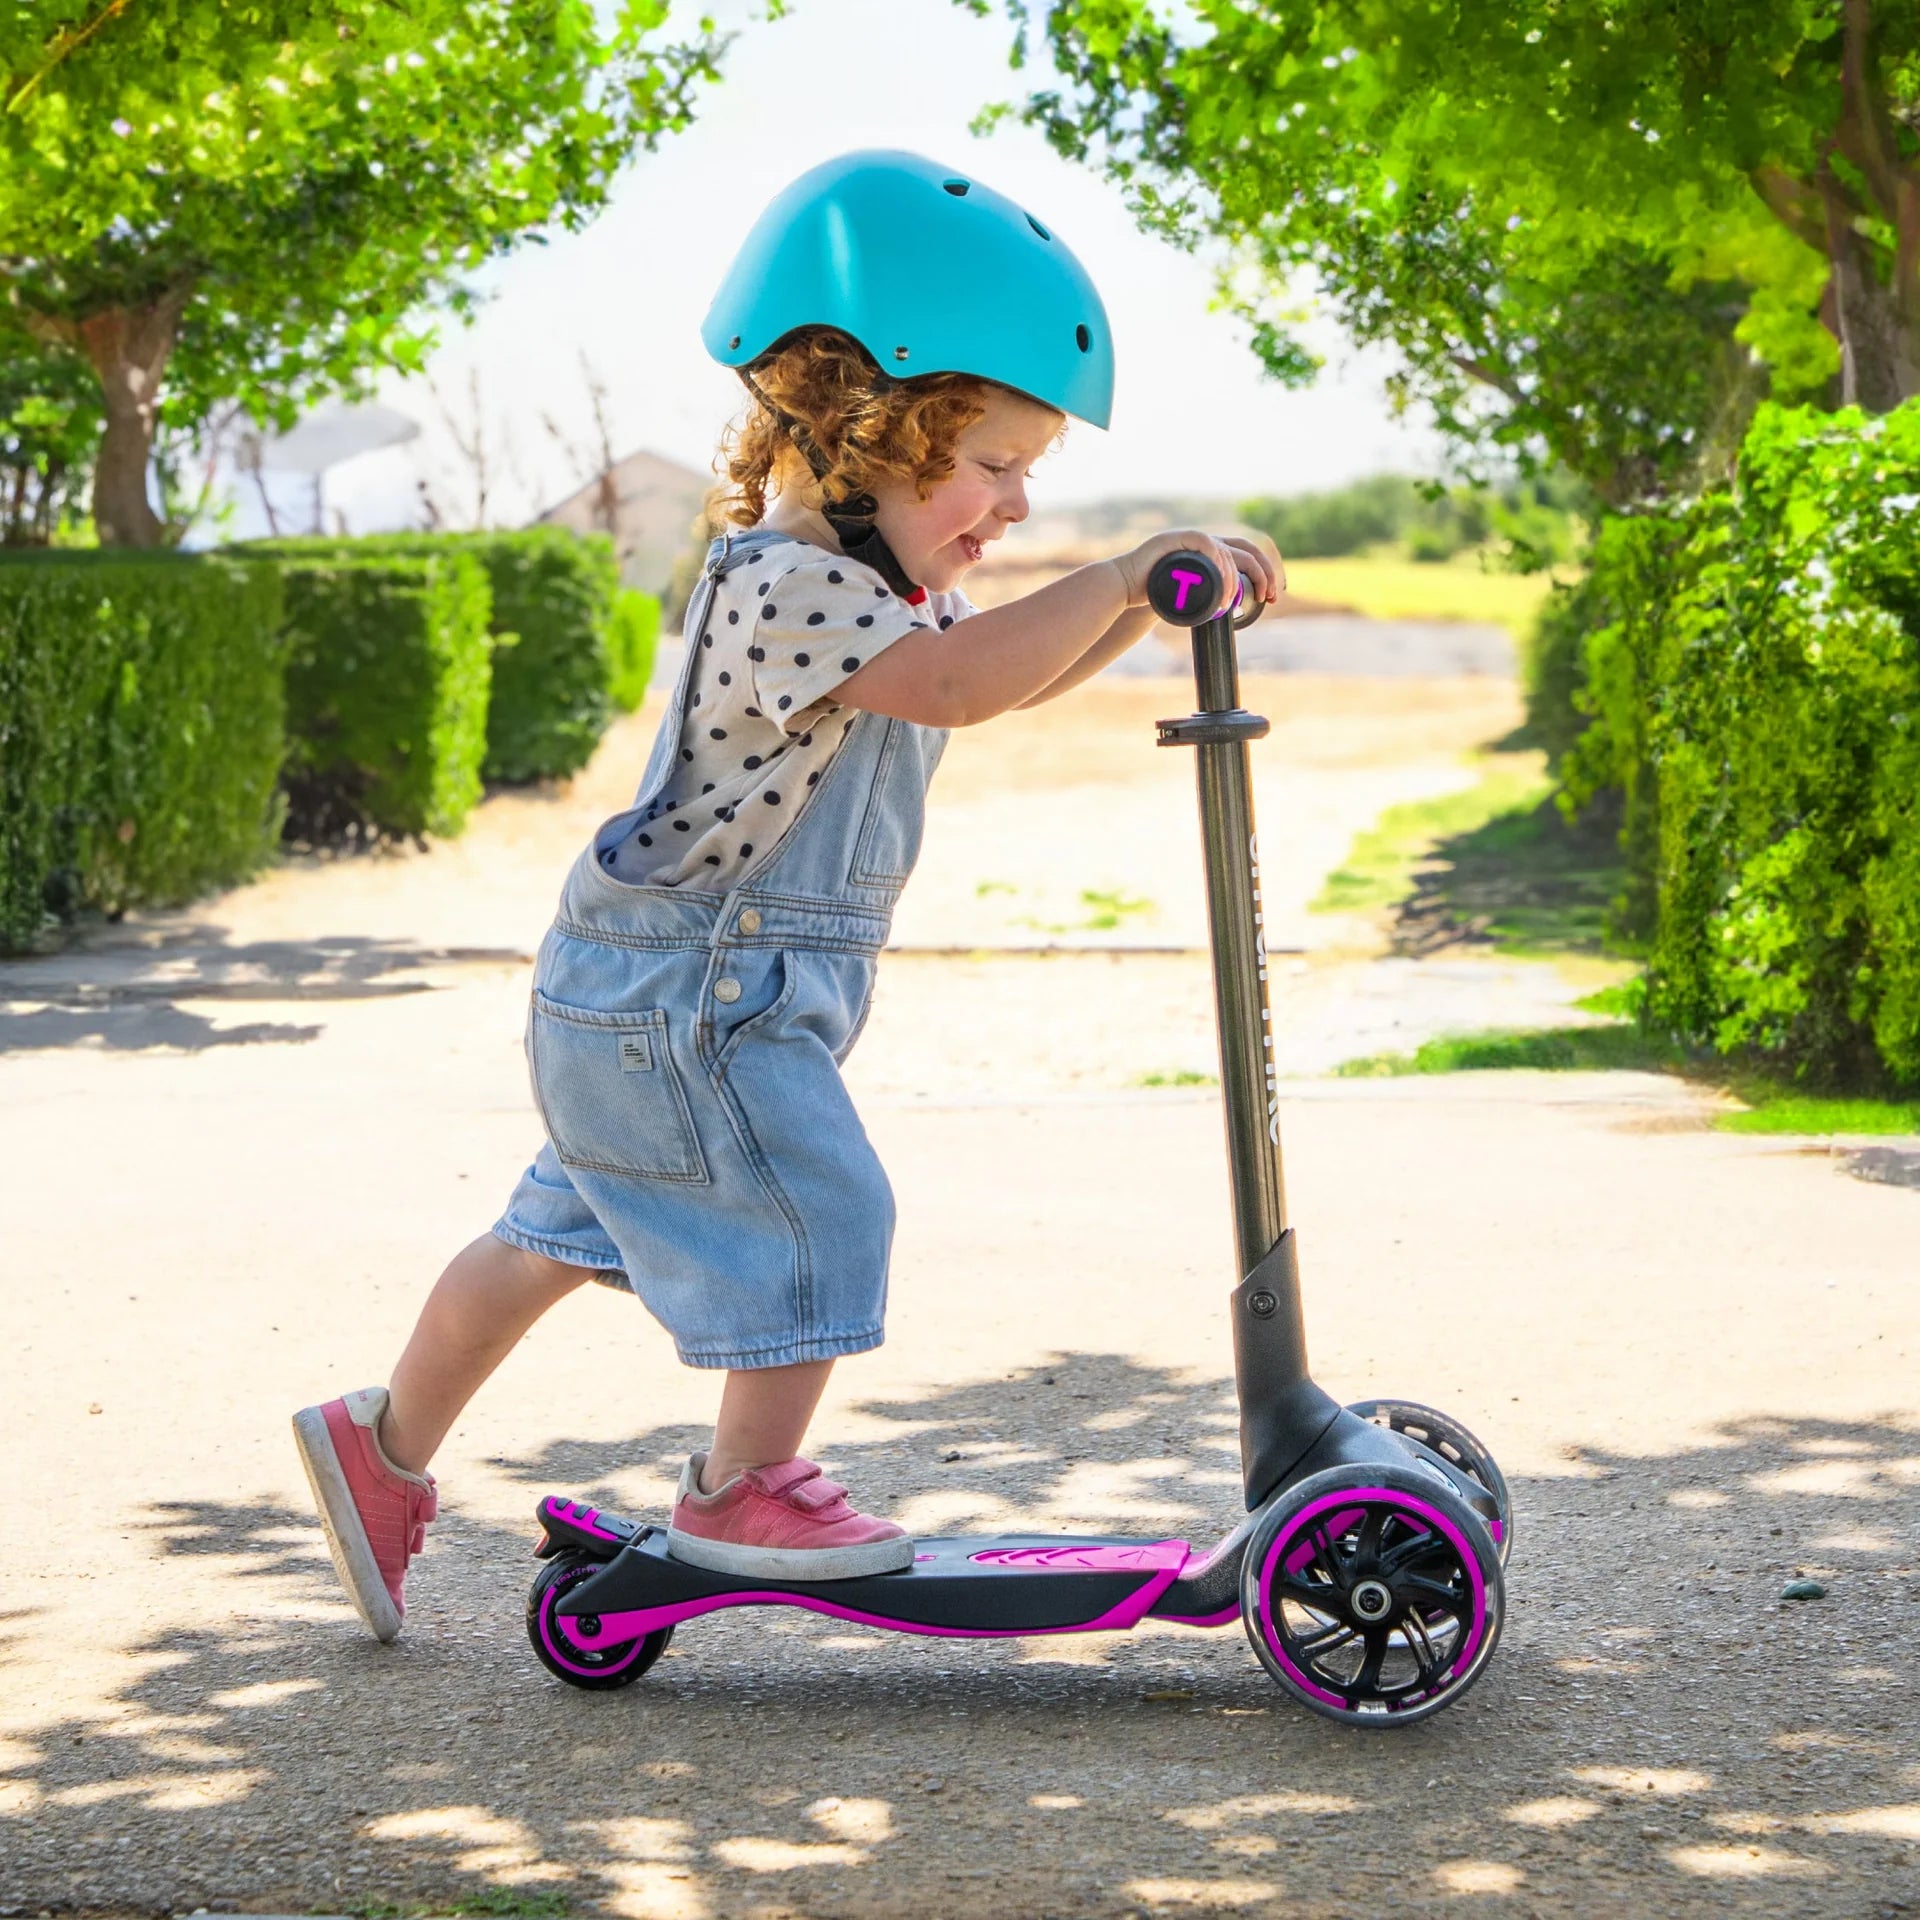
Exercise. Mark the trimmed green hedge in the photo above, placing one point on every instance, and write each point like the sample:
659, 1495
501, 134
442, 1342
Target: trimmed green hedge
141, 730
1756, 697
555, 661
389, 665
633, 639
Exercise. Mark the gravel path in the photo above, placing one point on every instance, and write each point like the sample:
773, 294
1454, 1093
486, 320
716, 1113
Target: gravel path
238, 1144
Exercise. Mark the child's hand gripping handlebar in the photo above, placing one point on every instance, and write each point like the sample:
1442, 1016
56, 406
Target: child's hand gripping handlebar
1186, 590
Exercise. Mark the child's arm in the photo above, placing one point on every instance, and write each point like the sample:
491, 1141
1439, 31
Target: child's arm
1011, 656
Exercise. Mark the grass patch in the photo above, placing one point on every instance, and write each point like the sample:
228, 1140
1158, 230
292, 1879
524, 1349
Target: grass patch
1105, 912
1621, 1047
1185, 1077
1772, 1109
1380, 867
1396, 589
492, 1903
1608, 1049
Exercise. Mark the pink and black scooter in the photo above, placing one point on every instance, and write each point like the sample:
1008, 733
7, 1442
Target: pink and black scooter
1368, 1569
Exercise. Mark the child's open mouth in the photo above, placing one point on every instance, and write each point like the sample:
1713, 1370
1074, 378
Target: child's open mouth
972, 548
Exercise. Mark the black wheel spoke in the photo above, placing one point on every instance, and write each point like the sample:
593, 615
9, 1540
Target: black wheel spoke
1330, 1639
1367, 1680
1373, 1522
1426, 1655
1434, 1593
1422, 1546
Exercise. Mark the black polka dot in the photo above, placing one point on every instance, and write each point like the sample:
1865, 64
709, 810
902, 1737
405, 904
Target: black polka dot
786, 700
806, 739
733, 618
771, 798
745, 850
706, 639
768, 611
646, 839
764, 585
753, 559
879, 593
813, 779
816, 619
865, 620
756, 653
848, 664
920, 626
726, 679
752, 760
713, 859
708, 788
716, 733
723, 813
696, 699
946, 620
803, 659
834, 576
671, 804
686, 753
754, 713
683, 826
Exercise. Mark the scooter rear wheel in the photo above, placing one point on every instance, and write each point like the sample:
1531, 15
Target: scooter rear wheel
1454, 1444
596, 1669
1372, 1595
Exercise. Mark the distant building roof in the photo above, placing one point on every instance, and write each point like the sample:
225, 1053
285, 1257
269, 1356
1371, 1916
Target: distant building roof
654, 504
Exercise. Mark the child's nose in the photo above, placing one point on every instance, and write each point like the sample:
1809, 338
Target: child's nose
1014, 508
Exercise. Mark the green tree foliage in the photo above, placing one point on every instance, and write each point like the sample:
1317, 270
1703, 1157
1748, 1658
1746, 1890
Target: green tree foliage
1595, 230
49, 422
1534, 518
1756, 695
207, 202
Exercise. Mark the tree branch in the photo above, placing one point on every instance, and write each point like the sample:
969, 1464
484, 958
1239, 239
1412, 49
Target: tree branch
1794, 203
1487, 376
1865, 133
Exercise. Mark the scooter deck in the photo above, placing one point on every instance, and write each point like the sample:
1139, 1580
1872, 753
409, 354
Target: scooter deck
980, 1586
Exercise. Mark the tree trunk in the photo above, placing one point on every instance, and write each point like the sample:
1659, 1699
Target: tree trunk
1879, 333
129, 348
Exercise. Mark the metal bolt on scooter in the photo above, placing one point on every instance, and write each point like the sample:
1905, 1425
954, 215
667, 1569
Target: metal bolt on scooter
1367, 1572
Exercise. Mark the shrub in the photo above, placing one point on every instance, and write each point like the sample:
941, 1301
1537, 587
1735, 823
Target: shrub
633, 638
553, 596
1756, 696
141, 731
389, 665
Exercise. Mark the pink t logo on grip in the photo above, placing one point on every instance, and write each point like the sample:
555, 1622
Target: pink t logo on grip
1187, 582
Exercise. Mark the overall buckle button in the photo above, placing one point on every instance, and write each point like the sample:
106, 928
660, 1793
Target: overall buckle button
726, 991
750, 920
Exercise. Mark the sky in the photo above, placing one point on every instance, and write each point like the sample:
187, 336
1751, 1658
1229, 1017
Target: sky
1192, 413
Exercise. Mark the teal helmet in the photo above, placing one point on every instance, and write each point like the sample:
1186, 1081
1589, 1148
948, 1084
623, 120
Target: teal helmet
931, 271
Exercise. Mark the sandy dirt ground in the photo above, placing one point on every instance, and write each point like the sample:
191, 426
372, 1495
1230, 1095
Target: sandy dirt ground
237, 1143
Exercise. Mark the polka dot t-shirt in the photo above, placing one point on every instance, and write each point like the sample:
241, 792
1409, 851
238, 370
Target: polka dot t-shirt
786, 627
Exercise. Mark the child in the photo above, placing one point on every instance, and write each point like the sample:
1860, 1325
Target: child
911, 342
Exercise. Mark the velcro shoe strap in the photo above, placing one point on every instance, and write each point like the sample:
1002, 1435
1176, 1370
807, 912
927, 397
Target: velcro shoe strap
780, 1480
812, 1496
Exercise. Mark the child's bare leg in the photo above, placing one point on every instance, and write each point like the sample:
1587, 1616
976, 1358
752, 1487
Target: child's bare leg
764, 1414
490, 1294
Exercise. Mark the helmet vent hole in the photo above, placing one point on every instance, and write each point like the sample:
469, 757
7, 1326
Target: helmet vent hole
733, 343
1083, 339
958, 188
899, 353
1038, 228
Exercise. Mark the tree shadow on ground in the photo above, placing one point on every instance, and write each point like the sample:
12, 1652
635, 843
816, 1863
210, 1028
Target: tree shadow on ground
1525, 882
131, 996
1660, 1733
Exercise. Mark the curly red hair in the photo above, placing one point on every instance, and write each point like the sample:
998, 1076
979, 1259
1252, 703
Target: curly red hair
867, 426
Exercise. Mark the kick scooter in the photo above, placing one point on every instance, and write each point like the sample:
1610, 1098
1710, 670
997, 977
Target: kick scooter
1368, 1569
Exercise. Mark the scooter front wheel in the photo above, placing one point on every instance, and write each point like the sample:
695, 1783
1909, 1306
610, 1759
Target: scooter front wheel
597, 1669
1373, 1595
1444, 1435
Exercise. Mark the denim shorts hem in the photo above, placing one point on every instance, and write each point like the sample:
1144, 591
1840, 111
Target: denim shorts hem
609, 1270
835, 1346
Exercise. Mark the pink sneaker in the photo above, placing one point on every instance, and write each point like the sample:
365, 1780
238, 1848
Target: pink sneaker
375, 1514
784, 1522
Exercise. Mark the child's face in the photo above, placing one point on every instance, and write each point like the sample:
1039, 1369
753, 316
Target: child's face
937, 540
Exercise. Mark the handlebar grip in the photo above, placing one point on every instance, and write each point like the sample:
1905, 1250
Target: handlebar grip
1185, 589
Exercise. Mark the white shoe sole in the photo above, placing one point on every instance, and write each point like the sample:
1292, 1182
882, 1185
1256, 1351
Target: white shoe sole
347, 1539
791, 1563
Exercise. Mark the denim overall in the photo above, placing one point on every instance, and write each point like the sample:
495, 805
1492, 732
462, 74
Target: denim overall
685, 1049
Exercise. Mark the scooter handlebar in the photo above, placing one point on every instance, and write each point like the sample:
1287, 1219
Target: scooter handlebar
1186, 590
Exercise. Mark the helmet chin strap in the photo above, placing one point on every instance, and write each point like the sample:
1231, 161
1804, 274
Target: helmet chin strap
852, 520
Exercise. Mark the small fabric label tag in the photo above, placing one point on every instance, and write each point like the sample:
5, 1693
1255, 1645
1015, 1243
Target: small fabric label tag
636, 1053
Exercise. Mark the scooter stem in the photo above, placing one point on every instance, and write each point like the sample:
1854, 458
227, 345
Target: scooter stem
1283, 1414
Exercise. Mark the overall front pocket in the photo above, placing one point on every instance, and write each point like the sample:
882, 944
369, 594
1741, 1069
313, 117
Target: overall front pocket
609, 1092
